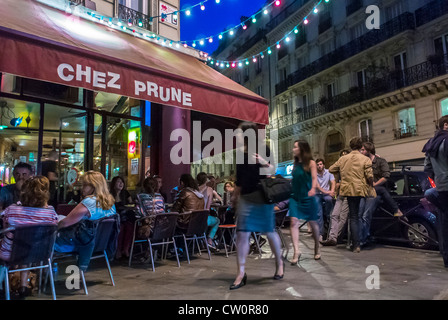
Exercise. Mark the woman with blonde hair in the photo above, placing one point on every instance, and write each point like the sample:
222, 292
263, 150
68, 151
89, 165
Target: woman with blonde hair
78, 228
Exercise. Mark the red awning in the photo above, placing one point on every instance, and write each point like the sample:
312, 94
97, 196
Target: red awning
47, 44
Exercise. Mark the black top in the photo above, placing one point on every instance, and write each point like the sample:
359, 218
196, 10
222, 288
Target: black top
248, 176
49, 166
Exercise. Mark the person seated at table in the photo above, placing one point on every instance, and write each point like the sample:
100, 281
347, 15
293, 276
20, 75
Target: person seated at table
188, 199
209, 195
155, 204
10, 194
127, 215
77, 230
34, 208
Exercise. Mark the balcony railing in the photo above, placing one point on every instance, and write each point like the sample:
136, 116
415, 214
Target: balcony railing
388, 30
136, 18
391, 81
430, 12
407, 132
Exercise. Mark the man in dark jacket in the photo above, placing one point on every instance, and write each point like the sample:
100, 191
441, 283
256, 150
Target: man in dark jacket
436, 164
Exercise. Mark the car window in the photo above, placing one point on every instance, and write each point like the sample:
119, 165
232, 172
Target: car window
396, 186
417, 184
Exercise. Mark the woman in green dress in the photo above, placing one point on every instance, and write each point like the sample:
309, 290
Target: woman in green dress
303, 203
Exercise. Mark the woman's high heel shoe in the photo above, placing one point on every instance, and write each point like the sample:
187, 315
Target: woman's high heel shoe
239, 285
294, 262
278, 276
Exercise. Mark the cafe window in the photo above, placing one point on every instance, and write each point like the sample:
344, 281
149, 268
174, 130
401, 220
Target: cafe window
19, 136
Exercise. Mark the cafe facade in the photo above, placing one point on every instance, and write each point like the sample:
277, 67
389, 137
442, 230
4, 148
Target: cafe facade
103, 97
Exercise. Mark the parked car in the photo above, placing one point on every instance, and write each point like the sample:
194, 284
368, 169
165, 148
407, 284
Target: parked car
418, 226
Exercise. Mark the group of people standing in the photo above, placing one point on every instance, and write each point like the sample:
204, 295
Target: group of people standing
357, 181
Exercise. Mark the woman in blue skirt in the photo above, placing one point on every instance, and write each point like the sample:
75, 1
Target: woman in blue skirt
303, 204
253, 213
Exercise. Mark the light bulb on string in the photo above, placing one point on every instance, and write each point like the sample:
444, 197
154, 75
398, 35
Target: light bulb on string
202, 7
188, 12
217, 1
277, 3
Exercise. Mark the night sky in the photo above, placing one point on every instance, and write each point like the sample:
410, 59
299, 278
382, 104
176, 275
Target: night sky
214, 19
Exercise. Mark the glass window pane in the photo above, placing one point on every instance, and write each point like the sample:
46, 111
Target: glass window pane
19, 136
64, 135
124, 151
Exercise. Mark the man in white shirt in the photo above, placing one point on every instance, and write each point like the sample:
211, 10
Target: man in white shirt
325, 191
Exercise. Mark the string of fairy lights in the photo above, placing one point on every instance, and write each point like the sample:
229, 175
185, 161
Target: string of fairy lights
245, 61
139, 31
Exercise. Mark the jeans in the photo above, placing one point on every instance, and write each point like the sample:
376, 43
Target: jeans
440, 200
386, 197
325, 213
366, 209
353, 209
213, 223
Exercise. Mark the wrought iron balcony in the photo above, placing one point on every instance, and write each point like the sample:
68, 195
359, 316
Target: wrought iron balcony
430, 12
136, 18
388, 30
391, 81
406, 132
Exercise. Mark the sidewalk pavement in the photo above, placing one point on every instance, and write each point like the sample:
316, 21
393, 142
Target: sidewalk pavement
398, 274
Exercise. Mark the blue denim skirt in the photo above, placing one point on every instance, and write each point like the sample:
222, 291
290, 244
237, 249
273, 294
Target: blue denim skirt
254, 217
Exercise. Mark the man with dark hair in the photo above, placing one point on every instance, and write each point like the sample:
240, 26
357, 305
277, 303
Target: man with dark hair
436, 164
10, 194
325, 192
356, 177
381, 173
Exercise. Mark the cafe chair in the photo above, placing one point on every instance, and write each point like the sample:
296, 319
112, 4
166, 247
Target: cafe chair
230, 229
197, 229
32, 248
162, 233
102, 236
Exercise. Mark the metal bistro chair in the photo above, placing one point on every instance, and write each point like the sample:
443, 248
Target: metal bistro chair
231, 231
163, 233
102, 237
32, 248
145, 212
197, 228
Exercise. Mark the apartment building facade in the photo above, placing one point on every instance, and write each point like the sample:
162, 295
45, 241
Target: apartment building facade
337, 79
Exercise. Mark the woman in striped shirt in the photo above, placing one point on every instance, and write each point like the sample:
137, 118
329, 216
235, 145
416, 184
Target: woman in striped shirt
34, 197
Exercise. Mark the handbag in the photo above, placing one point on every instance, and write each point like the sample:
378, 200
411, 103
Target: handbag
276, 188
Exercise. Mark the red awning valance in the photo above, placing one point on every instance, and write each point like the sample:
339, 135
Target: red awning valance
44, 43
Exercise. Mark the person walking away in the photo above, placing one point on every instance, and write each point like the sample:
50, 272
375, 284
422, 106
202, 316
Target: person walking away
303, 203
436, 163
356, 177
253, 213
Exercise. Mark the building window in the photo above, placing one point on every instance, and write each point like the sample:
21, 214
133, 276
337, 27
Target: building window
395, 10
282, 75
335, 143
330, 90
441, 45
246, 74
259, 90
258, 66
406, 124
304, 101
326, 47
358, 30
362, 78
366, 130
444, 107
